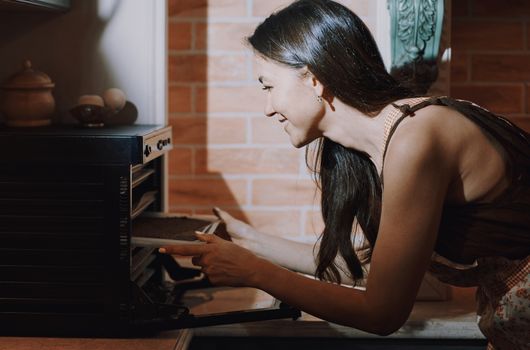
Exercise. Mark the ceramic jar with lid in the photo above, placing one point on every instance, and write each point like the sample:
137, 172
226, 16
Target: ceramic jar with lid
27, 98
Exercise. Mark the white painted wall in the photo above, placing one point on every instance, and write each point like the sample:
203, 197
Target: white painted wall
97, 44
382, 33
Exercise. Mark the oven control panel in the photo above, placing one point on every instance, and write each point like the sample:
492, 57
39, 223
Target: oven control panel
156, 144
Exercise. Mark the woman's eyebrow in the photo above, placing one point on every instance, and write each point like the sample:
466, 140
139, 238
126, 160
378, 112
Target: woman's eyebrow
260, 79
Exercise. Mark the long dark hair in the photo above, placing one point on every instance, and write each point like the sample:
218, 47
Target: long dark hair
338, 49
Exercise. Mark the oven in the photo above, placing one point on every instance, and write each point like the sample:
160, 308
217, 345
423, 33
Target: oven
73, 203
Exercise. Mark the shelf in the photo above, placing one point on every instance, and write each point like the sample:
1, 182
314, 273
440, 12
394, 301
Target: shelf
140, 176
35, 5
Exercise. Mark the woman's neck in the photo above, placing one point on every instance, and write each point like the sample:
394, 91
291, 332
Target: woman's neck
353, 129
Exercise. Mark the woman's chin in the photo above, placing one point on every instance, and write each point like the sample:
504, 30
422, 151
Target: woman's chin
299, 143
299, 140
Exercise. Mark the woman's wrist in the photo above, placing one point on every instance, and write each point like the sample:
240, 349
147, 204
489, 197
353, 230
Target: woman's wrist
263, 272
254, 242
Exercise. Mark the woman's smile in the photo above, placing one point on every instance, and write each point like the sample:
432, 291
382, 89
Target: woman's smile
291, 92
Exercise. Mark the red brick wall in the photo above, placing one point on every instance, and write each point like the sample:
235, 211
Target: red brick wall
491, 56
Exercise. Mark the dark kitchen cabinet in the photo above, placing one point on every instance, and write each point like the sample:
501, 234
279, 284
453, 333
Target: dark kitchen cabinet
227, 343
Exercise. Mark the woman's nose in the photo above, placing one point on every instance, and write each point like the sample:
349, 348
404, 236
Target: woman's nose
269, 110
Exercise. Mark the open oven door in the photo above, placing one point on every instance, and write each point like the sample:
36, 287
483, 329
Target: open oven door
171, 293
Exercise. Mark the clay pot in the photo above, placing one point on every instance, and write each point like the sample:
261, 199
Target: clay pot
27, 98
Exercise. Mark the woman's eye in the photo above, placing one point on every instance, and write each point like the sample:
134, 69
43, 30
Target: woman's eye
267, 88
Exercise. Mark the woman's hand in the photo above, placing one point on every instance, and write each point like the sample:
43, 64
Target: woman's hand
296, 256
241, 233
223, 262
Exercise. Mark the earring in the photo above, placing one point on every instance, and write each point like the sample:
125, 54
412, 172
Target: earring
319, 99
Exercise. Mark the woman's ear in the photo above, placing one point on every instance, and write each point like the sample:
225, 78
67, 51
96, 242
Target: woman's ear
312, 81
317, 85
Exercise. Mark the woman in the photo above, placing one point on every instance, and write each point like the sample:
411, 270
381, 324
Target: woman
433, 184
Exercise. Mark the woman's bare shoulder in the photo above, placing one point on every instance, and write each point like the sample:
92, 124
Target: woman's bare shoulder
425, 140
431, 126
439, 134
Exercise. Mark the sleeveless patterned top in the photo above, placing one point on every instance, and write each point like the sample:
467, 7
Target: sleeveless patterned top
497, 228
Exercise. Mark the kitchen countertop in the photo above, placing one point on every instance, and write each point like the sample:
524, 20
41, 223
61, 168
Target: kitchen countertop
444, 320
452, 319
176, 340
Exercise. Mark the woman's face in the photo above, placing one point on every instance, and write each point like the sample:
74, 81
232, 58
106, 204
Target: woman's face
292, 98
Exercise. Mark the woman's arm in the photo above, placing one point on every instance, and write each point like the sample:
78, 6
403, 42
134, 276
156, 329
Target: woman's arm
296, 256
293, 255
417, 173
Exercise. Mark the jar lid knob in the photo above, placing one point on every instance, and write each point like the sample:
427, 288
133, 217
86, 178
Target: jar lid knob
28, 78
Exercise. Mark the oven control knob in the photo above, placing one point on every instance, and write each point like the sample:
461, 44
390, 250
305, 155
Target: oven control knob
147, 150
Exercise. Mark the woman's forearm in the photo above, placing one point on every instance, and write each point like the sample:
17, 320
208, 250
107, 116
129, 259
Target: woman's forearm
293, 255
296, 256
335, 303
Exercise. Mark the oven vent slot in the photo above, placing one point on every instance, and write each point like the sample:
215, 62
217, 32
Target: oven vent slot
51, 240
28, 227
